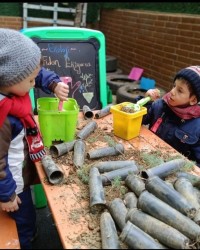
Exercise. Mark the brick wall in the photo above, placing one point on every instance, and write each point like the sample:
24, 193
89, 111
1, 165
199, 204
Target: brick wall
17, 23
11, 22
159, 43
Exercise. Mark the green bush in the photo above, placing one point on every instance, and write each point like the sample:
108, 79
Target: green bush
16, 9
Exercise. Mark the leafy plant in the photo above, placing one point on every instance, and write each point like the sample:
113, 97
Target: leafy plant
109, 140
93, 139
152, 159
117, 186
116, 183
83, 175
188, 166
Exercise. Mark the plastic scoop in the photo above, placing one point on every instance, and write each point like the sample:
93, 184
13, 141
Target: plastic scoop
134, 107
66, 80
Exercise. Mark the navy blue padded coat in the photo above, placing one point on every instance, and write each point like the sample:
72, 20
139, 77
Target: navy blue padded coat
183, 135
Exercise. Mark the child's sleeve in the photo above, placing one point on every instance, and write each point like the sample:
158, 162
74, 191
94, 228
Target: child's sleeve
196, 151
46, 79
147, 119
7, 183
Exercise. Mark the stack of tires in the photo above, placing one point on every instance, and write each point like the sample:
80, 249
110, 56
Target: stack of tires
125, 89
116, 81
119, 83
130, 93
111, 69
111, 66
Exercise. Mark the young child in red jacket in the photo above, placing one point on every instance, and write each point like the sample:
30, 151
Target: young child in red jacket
20, 140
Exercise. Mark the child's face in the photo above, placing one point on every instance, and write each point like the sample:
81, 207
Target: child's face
21, 88
180, 95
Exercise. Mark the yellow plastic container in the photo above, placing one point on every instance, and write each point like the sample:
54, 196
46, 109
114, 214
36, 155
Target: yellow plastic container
126, 125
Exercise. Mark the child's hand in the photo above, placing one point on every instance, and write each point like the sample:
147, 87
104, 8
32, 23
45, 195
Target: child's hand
153, 93
11, 206
62, 91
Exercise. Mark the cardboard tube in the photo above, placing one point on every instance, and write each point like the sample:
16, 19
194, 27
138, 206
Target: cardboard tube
106, 151
79, 153
87, 130
103, 112
87, 112
109, 236
108, 166
62, 148
130, 200
136, 238
160, 189
97, 197
54, 174
194, 179
108, 177
164, 169
186, 189
135, 183
118, 211
157, 208
157, 229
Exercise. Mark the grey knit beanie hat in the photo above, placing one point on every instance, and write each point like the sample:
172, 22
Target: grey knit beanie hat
19, 57
192, 75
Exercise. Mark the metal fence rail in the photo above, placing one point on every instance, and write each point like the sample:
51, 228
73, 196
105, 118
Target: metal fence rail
54, 20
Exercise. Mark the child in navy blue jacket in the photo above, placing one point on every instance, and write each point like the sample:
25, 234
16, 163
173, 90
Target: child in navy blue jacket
50, 82
20, 140
175, 117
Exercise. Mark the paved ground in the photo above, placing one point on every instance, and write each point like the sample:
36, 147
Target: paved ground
48, 237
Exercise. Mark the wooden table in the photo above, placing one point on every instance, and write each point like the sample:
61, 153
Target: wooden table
8, 232
62, 199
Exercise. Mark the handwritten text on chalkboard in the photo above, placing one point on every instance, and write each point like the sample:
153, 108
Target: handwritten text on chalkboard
78, 60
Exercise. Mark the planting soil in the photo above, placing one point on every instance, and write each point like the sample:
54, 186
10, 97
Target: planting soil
79, 177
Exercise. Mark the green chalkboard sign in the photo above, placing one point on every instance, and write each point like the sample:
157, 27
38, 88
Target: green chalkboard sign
78, 60
78, 54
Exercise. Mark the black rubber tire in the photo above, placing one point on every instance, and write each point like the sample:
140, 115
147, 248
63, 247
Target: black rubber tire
118, 71
129, 93
116, 81
111, 63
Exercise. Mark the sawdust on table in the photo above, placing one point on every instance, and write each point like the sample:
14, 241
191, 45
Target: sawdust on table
100, 136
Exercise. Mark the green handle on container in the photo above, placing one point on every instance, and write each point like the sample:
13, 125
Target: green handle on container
137, 106
66, 80
143, 101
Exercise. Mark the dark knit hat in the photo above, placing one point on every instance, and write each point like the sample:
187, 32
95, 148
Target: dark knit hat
19, 57
192, 75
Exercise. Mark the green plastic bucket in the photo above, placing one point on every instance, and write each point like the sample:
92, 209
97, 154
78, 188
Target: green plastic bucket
40, 197
57, 126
